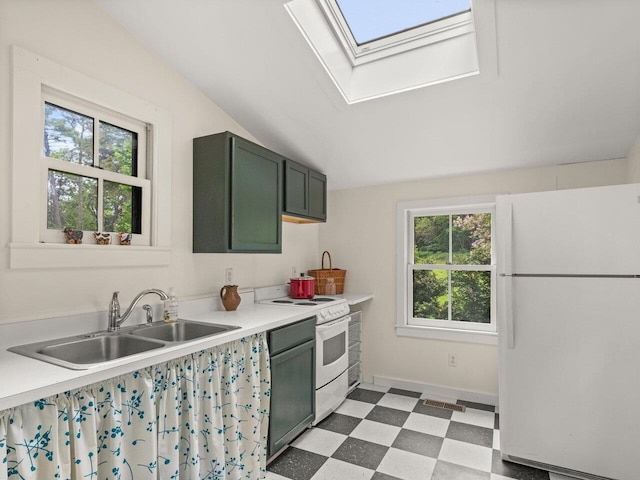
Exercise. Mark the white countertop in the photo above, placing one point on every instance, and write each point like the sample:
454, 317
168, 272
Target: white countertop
23, 379
356, 298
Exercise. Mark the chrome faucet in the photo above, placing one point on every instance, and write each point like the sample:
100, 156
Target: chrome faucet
147, 308
115, 320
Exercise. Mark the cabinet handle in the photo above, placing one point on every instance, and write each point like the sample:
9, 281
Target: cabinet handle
328, 326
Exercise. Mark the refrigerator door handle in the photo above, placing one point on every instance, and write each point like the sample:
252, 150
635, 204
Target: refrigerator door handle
505, 267
509, 312
507, 240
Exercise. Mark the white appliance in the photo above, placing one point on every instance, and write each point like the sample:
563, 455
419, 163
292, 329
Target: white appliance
569, 330
332, 344
332, 362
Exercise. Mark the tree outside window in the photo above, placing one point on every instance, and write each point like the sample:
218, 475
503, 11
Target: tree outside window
451, 268
85, 191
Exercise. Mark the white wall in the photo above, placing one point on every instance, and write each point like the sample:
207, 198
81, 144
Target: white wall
79, 35
633, 160
361, 237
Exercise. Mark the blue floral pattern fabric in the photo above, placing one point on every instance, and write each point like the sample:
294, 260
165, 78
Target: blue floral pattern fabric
201, 416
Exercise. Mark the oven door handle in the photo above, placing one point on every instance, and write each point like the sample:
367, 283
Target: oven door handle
326, 326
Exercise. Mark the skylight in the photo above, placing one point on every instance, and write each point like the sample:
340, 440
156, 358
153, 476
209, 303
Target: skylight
374, 48
370, 20
373, 29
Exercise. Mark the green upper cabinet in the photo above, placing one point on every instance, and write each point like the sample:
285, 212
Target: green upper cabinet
237, 196
305, 193
317, 195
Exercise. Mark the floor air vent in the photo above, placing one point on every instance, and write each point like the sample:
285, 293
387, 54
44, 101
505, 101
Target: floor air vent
449, 406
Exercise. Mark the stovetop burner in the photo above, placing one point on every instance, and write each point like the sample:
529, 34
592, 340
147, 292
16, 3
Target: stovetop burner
327, 307
302, 302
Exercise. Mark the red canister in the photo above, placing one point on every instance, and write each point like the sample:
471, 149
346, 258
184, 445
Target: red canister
302, 287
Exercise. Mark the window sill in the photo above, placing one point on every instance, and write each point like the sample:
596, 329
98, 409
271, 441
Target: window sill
54, 255
466, 336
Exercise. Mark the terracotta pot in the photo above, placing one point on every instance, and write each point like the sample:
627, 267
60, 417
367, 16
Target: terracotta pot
230, 298
302, 287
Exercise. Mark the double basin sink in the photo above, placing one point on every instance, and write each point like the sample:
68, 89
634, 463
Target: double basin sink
85, 351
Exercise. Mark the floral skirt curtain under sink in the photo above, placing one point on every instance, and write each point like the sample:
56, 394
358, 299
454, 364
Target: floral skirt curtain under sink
202, 416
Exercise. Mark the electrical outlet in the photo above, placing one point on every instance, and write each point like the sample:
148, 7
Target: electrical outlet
453, 360
228, 276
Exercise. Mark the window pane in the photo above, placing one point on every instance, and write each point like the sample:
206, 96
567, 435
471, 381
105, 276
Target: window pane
471, 296
118, 149
68, 135
122, 208
72, 201
431, 294
372, 19
471, 239
431, 240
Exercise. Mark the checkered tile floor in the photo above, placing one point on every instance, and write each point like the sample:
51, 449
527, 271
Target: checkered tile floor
389, 434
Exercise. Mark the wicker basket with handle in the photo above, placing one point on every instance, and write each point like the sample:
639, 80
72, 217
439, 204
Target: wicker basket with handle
322, 276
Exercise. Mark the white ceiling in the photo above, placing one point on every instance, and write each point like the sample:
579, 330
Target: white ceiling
567, 89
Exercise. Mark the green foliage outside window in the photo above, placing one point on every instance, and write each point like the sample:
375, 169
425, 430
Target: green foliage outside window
73, 199
450, 241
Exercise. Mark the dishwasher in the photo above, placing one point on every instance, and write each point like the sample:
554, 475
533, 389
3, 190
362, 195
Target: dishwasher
293, 387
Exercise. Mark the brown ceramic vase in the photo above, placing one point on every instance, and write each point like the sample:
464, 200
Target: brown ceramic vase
230, 298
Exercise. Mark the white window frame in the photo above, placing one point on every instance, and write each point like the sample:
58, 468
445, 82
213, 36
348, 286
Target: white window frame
406, 325
140, 180
437, 31
33, 74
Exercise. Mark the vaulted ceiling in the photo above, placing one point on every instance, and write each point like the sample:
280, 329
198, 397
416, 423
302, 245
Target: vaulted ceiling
567, 89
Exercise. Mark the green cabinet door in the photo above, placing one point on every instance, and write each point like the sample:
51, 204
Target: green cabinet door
237, 196
305, 193
293, 382
292, 395
317, 195
256, 198
296, 184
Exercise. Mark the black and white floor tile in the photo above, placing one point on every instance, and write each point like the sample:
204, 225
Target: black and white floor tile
381, 433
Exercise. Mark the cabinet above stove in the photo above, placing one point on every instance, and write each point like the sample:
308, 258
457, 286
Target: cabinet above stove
305, 194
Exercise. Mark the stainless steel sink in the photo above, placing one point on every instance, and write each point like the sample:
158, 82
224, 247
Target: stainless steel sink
85, 351
180, 331
99, 349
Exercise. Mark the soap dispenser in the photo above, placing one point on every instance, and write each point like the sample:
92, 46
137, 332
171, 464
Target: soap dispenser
171, 307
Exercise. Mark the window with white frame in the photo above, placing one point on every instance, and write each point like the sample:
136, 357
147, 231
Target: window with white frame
446, 269
373, 49
94, 161
370, 31
88, 156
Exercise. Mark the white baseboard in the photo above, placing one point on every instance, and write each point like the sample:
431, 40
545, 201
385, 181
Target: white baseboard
436, 392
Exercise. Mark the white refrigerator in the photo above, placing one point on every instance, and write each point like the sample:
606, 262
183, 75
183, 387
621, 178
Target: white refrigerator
569, 330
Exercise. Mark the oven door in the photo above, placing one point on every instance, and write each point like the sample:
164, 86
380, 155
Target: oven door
332, 341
